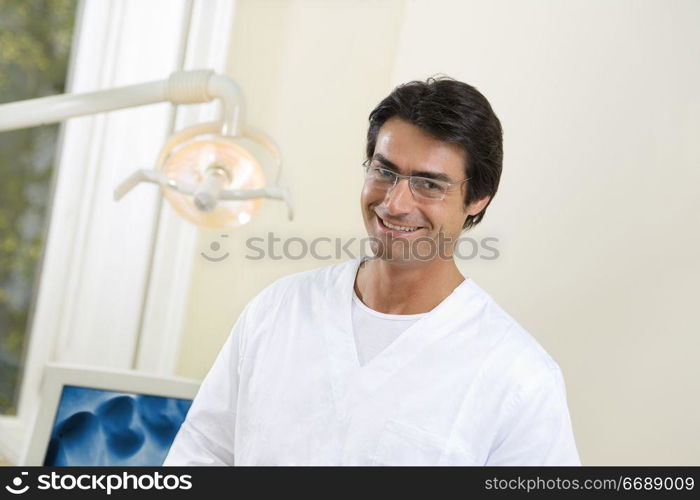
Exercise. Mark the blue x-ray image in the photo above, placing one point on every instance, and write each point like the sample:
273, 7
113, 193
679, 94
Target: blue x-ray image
98, 427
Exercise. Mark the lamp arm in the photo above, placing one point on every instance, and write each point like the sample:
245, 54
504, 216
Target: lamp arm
183, 87
154, 177
271, 191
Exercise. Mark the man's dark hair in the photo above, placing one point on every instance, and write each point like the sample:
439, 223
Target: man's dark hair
450, 111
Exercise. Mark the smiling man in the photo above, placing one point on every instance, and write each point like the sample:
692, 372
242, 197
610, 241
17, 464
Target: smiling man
398, 359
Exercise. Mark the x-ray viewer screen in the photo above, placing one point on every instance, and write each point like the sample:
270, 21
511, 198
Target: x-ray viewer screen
102, 427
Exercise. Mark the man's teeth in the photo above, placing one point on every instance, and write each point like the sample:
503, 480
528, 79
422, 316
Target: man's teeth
399, 228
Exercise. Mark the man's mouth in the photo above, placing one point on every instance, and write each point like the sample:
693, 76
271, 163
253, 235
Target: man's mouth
397, 228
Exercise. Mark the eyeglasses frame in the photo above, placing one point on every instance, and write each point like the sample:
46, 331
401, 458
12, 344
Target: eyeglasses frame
397, 177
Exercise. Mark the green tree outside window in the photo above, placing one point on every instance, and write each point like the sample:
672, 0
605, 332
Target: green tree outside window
35, 44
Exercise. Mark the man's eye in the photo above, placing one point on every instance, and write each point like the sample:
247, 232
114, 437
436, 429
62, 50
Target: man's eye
385, 174
427, 185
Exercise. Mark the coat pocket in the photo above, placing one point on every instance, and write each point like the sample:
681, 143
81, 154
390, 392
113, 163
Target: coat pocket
402, 444
405, 444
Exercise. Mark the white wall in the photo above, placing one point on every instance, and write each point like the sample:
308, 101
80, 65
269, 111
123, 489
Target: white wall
597, 214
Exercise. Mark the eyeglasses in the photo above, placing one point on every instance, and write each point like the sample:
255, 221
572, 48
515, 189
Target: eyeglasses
421, 187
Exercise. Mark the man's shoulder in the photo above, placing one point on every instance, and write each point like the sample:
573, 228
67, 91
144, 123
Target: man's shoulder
510, 344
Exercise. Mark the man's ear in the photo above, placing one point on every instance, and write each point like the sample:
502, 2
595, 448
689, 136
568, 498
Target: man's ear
477, 206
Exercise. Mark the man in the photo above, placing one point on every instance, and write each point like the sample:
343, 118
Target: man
396, 360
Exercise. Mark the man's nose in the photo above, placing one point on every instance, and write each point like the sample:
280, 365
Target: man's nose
399, 198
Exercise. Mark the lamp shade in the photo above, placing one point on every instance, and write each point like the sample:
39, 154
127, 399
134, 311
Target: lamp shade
236, 167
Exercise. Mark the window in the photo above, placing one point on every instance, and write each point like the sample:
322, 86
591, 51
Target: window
35, 43
110, 279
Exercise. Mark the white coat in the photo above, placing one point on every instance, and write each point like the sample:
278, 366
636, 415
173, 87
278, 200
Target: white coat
465, 385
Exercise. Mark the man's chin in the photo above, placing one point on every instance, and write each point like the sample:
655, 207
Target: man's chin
401, 251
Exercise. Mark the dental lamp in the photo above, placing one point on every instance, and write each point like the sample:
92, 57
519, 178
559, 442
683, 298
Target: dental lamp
211, 173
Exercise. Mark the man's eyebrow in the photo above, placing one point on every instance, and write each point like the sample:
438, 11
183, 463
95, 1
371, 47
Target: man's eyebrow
392, 166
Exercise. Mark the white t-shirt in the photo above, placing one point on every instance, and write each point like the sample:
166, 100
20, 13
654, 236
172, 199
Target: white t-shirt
374, 331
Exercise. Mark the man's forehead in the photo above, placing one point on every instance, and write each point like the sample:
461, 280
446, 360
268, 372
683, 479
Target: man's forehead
411, 148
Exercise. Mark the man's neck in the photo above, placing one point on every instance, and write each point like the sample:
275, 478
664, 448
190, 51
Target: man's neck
406, 288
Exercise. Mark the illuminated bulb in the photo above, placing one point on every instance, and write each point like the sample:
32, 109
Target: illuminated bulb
213, 163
